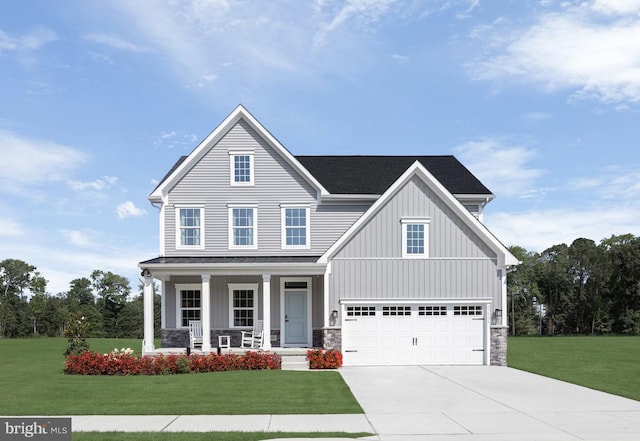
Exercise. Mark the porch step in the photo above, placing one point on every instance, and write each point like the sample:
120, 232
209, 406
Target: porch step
294, 362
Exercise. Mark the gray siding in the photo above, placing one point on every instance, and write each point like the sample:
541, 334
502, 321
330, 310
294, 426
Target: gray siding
220, 299
276, 182
448, 235
370, 265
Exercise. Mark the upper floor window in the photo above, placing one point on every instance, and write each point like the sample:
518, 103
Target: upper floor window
415, 238
190, 227
241, 168
295, 227
243, 227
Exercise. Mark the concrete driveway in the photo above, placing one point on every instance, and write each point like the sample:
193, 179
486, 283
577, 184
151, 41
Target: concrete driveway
468, 403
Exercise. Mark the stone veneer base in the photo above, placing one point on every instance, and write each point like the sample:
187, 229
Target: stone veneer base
499, 346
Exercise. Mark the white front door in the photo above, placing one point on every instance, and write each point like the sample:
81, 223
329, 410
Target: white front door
296, 301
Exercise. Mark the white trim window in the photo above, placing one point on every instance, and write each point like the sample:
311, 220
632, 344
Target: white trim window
189, 299
295, 227
241, 168
243, 227
190, 227
415, 238
243, 304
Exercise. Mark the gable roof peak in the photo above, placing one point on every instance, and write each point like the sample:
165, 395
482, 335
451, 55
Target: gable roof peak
240, 112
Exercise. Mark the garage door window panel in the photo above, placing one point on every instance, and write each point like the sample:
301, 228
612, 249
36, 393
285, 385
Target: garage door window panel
361, 311
432, 310
396, 311
467, 310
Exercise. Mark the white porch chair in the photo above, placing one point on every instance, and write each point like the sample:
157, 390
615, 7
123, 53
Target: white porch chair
195, 334
253, 339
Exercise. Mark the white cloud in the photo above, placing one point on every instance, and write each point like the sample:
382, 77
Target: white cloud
10, 227
615, 183
61, 264
538, 229
301, 39
128, 209
28, 42
353, 13
617, 7
400, 58
80, 238
536, 116
32, 161
503, 168
113, 41
590, 48
97, 185
172, 139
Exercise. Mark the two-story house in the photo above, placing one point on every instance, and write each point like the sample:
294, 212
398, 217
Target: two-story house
383, 257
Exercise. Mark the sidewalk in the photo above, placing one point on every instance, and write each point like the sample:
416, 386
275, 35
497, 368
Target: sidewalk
222, 423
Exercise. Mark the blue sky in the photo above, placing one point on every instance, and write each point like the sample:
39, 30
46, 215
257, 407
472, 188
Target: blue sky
539, 99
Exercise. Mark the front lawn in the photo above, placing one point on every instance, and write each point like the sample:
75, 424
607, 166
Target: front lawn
610, 364
31, 375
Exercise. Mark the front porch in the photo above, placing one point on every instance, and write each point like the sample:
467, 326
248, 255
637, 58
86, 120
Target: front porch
179, 338
229, 295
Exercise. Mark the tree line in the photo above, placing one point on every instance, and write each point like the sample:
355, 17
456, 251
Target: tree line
103, 298
582, 288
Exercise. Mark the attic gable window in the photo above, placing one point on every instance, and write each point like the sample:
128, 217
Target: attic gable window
241, 168
415, 237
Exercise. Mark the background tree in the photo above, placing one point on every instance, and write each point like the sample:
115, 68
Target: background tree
112, 291
587, 274
624, 283
16, 277
553, 282
522, 289
81, 299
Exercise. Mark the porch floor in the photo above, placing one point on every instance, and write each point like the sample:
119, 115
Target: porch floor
241, 351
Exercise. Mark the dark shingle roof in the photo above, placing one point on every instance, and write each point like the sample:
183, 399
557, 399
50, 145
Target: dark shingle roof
230, 259
363, 174
374, 174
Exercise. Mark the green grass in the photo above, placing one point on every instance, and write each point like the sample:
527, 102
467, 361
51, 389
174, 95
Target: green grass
610, 364
31, 375
208, 436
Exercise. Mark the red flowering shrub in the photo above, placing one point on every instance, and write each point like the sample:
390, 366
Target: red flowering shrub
321, 359
92, 363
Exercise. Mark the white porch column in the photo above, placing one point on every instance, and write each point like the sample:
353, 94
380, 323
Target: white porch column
206, 312
505, 304
163, 305
147, 343
266, 311
486, 360
325, 293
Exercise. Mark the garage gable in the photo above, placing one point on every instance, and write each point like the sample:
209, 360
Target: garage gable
418, 198
445, 234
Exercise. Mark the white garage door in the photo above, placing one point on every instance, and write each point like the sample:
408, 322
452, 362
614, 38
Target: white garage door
413, 334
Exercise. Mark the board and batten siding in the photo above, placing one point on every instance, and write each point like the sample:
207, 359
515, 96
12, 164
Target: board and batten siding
275, 183
370, 264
